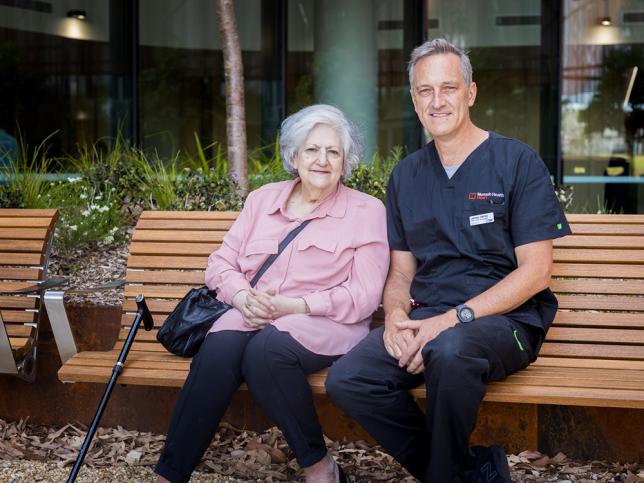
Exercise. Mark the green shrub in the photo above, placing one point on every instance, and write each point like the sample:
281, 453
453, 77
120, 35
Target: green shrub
87, 215
25, 183
372, 178
197, 189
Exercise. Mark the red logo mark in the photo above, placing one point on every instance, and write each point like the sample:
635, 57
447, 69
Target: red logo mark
471, 196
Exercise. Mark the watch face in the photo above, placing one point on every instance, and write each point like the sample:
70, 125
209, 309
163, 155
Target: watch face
466, 314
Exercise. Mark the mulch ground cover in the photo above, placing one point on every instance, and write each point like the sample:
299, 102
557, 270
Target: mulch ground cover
31, 452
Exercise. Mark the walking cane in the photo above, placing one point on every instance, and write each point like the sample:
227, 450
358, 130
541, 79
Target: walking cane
142, 312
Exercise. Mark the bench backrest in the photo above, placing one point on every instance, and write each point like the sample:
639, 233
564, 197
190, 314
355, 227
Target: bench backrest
598, 277
25, 239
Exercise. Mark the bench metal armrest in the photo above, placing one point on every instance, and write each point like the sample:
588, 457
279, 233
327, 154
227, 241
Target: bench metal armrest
54, 302
37, 288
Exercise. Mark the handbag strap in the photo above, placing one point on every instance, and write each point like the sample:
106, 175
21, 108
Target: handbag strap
283, 244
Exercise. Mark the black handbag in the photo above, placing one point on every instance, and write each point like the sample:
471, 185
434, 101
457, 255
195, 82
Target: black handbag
185, 329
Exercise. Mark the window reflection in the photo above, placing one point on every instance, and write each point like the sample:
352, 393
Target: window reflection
603, 105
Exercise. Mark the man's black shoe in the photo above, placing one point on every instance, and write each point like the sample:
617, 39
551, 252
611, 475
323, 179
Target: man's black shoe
490, 465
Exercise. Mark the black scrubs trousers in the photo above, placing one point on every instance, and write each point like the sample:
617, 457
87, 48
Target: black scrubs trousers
463, 232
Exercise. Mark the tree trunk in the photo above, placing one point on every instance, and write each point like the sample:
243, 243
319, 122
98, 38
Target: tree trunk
235, 108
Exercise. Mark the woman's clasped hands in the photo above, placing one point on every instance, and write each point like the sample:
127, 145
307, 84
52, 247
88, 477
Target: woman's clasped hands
260, 308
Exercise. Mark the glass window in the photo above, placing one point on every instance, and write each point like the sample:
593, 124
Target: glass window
603, 104
503, 38
58, 72
351, 54
182, 87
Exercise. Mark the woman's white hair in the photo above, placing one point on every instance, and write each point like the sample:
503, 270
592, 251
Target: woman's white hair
297, 127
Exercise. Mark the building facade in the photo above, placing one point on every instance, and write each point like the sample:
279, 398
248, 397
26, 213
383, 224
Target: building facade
565, 76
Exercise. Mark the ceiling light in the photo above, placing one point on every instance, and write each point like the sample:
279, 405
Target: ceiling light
605, 21
77, 14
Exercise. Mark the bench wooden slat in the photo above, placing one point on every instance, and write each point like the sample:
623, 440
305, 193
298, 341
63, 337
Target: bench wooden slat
167, 262
612, 229
13, 258
18, 302
18, 330
18, 342
598, 286
179, 236
28, 212
569, 396
599, 351
599, 241
24, 233
601, 302
155, 305
18, 316
189, 215
183, 224
599, 319
168, 249
605, 219
599, 256
157, 291
20, 273
12, 245
602, 270
11, 222
568, 363
165, 276
12, 286
615, 336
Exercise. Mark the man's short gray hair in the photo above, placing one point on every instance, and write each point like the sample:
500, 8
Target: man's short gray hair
440, 46
297, 127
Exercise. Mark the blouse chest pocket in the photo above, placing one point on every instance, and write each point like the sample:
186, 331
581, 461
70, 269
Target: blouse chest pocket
318, 261
256, 252
317, 246
484, 228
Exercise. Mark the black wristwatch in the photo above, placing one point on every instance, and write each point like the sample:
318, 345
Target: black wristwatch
464, 314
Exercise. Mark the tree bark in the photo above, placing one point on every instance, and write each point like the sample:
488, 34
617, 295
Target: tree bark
235, 106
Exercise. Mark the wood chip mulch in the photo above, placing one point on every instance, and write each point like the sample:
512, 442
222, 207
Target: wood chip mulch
40, 453
92, 266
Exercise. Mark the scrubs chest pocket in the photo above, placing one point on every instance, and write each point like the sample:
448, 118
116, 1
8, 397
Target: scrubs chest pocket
484, 227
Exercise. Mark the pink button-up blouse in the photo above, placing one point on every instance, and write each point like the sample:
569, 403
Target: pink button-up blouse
337, 264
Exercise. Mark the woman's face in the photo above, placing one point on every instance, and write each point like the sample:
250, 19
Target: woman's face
320, 159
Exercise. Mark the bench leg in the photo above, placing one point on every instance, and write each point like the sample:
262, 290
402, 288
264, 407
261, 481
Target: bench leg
60, 324
7, 362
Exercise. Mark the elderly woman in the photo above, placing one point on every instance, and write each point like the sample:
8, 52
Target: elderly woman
311, 306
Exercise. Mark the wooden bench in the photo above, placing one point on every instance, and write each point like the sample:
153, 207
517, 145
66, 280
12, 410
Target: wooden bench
25, 242
592, 356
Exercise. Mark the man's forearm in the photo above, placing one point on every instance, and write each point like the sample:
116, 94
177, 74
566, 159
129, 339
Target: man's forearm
510, 292
395, 299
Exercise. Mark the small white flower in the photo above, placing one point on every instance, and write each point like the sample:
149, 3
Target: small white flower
108, 239
114, 229
74, 179
98, 197
85, 212
73, 228
83, 196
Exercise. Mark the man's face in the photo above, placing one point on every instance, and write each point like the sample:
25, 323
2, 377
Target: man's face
441, 98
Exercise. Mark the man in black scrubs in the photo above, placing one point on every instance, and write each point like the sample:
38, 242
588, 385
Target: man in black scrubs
471, 217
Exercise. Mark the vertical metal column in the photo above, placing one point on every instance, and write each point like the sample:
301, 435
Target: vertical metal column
551, 64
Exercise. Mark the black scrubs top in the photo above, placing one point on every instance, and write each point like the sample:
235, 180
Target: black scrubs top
463, 230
